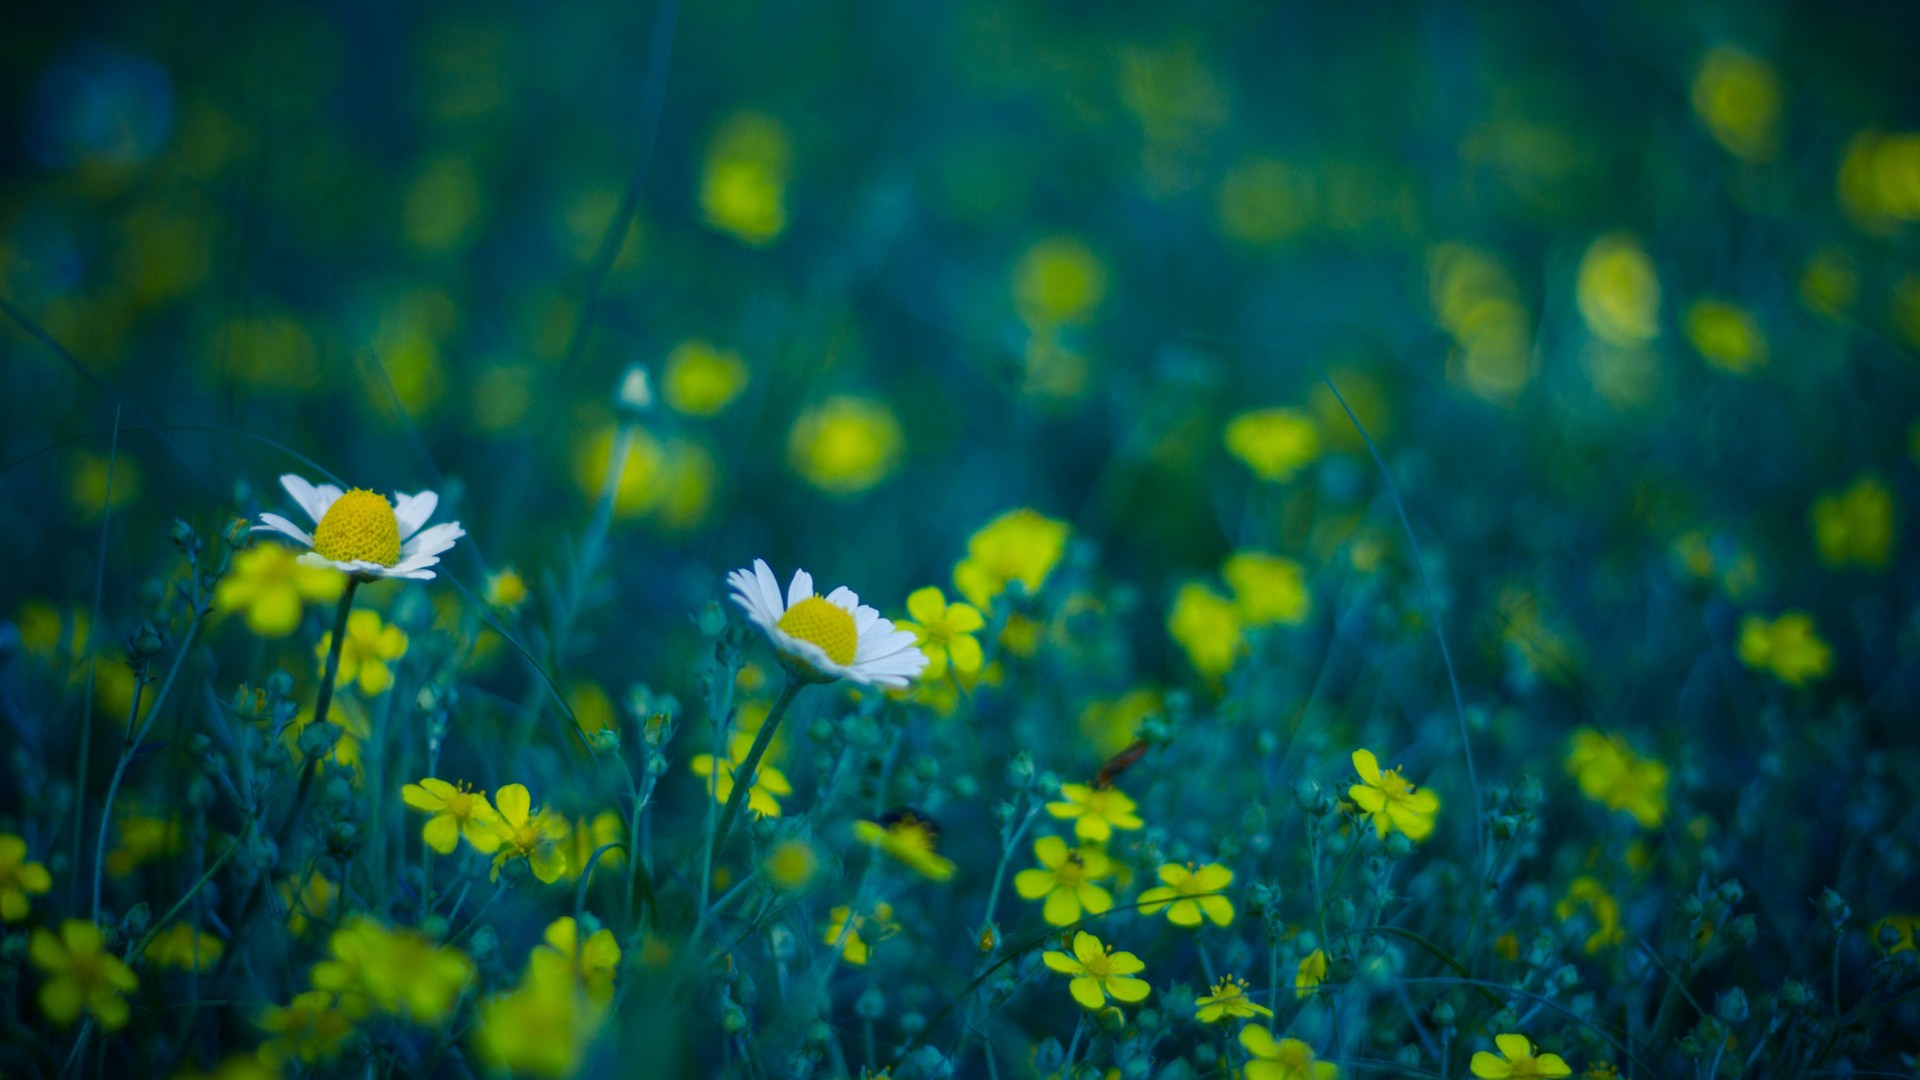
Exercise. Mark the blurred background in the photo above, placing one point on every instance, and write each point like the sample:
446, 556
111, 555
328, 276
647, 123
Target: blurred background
1610, 284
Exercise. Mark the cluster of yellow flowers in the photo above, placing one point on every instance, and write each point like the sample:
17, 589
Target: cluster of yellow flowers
544, 1025
508, 828
374, 968
1267, 590
1789, 647
1610, 773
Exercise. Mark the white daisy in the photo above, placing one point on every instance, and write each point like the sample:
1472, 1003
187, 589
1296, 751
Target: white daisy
362, 533
831, 637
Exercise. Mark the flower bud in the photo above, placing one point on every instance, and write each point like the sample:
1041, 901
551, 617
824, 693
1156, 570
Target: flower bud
1744, 929
238, 532
636, 390
605, 742
1731, 1006
343, 840
182, 536
317, 739
1020, 770
145, 642
733, 1019
1110, 1019
871, 1004
1795, 994
1341, 913
1834, 907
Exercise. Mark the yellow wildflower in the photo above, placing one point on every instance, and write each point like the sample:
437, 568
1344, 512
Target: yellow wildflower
1095, 812
768, 782
1227, 999
457, 811
142, 838
1726, 337
1097, 972
945, 632
183, 947
1021, 545
1066, 880
908, 839
89, 482
270, 585
506, 590
1188, 894
1208, 627
1312, 972
1517, 1061
743, 181
1618, 292
312, 1027
1111, 726
363, 657
1282, 1059
525, 833
1588, 893
594, 963
376, 968
543, 1026
1737, 96
701, 380
313, 900
1609, 772
1855, 525
588, 835
844, 930
1275, 443
792, 865
82, 975
1058, 280
1788, 646
1267, 589
846, 445
1903, 927
19, 878
1392, 802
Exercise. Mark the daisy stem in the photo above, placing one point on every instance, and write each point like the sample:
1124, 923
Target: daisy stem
743, 775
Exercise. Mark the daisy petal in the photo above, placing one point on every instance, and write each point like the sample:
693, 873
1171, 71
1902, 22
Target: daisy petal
276, 523
311, 499
412, 511
433, 541
769, 590
801, 588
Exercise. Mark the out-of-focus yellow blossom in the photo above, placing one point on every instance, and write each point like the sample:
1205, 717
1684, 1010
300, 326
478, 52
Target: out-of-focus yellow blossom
312, 1027
640, 490
370, 644
269, 584
595, 963
537, 836
356, 727
1058, 281
1282, 1059
376, 968
1610, 773
701, 380
165, 251
1275, 443
410, 376
1538, 642
1267, 589
945, 632
457, 811
845, 445
907, 839
542, 1027
1264, 201
1188, 893
48, 634
588, 835
1021, 545
1855, 525
181, 946
1097, 972
1903, 927
769, 783
1227, 1000
1310, 974
792, 865
1392, 802
19, 878
1829, 284
1476, 300
1517, 1061
1111, 726
82, 975
1095, 812
592, 709
1789, 647
1176, 95
1208, 627
1618, 291
1726, 337
308, 902
1733, 568
1737, 96
1879, 182
267, 350
1587, 894
442, 205
855, 935
743, 182
506, 590
88, 482
1065, 880
143, 838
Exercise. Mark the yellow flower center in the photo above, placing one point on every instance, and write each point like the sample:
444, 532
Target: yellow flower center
817, 622
1071, 874
359, 526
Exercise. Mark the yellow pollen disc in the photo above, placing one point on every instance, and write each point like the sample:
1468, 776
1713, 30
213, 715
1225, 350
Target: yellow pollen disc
829, 626
359, 526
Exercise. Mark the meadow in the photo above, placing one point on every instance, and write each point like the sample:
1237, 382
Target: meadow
970, 539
